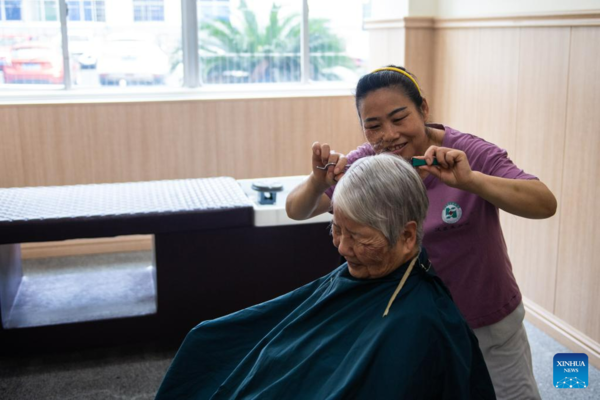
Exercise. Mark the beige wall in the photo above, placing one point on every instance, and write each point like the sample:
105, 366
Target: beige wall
95, 143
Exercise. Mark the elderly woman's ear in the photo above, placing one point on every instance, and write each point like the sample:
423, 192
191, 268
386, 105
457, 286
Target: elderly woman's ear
409, 237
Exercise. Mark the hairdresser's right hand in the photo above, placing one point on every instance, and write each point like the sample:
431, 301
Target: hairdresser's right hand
321, 156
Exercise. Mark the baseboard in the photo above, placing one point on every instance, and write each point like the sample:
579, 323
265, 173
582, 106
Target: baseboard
86, 246
574, 340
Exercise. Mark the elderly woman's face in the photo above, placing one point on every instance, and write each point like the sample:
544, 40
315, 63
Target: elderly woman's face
367, 251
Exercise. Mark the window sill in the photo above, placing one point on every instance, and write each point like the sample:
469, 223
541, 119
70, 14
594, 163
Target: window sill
135, 95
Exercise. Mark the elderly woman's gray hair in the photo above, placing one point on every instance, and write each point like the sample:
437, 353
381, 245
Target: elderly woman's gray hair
383, 192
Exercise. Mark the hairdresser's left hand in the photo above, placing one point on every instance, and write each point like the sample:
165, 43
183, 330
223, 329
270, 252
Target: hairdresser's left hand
454, 169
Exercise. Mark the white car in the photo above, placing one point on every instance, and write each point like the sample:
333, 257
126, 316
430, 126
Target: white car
82, 49
131, 61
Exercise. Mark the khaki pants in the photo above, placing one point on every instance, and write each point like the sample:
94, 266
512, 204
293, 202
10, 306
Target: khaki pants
507, 354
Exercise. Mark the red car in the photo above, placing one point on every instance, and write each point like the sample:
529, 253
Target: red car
6, 43
33, 62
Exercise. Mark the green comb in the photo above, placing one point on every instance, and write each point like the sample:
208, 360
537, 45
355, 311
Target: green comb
417, 162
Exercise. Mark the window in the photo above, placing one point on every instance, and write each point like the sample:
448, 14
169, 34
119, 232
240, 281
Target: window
30, 56
122, 43
121, 52
337, 43
10, 10
148, 10
259, 43
80, 10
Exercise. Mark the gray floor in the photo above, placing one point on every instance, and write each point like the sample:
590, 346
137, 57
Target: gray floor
135, 372
71, 289
543, 349
116, 373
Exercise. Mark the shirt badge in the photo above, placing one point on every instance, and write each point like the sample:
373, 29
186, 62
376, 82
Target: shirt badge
451, 213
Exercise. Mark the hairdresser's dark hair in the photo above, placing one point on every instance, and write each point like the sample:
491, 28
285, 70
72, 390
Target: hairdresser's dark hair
388, 79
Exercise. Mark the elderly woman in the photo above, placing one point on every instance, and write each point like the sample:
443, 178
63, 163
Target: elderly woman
381, 326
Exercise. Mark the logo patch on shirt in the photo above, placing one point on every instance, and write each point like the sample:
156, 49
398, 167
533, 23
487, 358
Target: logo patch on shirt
451, 213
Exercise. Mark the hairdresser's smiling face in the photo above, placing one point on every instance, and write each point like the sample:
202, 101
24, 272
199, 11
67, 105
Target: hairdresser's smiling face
392, 123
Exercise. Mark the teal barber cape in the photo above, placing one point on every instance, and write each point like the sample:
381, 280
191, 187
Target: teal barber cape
329, 340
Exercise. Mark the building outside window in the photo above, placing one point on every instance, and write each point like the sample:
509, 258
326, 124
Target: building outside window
10, 10
209, 10
148, 10
86, 10
49, 10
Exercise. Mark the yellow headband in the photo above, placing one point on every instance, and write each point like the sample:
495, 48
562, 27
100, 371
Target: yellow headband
403, 73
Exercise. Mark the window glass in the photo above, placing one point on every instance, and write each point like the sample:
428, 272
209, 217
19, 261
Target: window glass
139, 42
339, 46
249, 41
109, 46
30, 56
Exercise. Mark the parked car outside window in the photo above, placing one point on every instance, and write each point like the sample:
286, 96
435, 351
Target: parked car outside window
34, 63
132, 60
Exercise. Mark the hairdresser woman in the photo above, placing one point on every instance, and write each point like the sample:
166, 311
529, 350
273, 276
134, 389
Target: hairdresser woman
473, 179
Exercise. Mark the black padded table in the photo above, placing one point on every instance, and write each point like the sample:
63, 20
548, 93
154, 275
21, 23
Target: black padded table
39, 214
208, 259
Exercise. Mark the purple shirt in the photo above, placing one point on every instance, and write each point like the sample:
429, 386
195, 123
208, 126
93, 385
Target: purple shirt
463, 235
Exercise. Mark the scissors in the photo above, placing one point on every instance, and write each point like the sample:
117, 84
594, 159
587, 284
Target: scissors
328, 165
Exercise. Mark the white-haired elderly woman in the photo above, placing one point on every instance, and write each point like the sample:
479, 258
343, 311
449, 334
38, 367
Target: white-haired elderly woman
381, 326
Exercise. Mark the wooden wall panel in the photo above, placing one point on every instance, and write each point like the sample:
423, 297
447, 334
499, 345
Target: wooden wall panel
455, 82
241, 147
202, 130
419, 53
495, 113
11, 157
146, 141
324, 127
578, 278
541, 116
96, 143
55, 145
498, 82
387, 46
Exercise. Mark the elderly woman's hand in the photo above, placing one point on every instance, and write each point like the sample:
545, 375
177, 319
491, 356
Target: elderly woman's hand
322, 155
